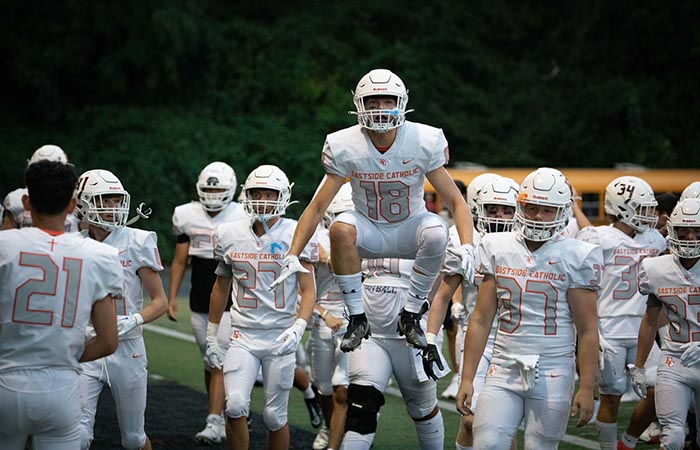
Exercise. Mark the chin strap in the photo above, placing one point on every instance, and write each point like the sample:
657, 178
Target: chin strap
141, 211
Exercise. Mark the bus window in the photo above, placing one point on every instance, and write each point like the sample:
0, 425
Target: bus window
591, 206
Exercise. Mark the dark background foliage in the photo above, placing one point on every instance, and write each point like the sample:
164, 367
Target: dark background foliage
153, 90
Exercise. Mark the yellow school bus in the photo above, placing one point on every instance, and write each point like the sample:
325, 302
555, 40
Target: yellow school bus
589, 183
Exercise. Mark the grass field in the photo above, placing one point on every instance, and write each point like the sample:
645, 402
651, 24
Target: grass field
177, 360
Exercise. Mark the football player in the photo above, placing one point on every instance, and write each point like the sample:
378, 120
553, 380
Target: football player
631, 237
329, 365
387, 160
385, 353
672, 282
51, 284
15, 215
266, 326
494, 203
545, 286
103, 203
193, 225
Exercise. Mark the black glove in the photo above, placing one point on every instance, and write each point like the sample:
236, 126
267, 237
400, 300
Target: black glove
429, 355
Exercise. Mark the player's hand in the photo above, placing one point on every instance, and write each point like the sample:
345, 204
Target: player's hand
173, 308
465, 253
604, 347
639, 380
214, 355
583, 405
128, 323
290, 266
333, 322
691, 354
458, 312
430, 355
291, 337
465, 393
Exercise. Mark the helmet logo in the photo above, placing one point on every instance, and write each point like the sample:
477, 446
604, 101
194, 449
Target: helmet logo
212, 181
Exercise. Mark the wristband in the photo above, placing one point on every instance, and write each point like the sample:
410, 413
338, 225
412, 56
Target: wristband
325, 313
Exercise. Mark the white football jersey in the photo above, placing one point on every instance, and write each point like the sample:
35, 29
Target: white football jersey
385, 276
386, 187
254, 262
48, 284
679, 291
137, 248
193, 220
13, 205
534, 315
620, 305
327, 290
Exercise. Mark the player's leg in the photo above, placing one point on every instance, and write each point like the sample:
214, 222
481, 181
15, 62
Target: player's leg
465, 436
499, 411
369, 369
92, 381
612, 378
278, 374
346, 233
420, 397
430, 233
128, 375
548, 404
673, 394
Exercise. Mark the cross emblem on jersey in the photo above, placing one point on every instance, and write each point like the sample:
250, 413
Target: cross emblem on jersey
52, 242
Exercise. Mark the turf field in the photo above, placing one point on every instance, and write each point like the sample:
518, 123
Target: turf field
177, 404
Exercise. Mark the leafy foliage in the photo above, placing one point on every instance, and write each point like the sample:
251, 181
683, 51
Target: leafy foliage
154, 90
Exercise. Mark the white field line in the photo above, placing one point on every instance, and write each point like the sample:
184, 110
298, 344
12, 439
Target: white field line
444, 405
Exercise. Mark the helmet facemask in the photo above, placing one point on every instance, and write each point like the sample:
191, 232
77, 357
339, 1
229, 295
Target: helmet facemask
106, 213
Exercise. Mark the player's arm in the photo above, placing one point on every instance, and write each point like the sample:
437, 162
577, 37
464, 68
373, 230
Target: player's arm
438, 307
313, 213
177, 272
104, 319
580, 217
307, 291
154, 287
647, 330
449, 195
582, 303
480, 323
218, 298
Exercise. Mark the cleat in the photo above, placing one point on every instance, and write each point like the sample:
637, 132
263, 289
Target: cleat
409, 326
315, 414
321, 440
358, 329
652, 434
214, 432
621, 446
451, 392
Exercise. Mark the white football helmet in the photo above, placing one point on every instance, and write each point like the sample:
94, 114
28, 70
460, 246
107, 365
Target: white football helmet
692, 191
473, 189
48, 153
545, 187
685, 214
90, 192
380, 83
631, 200
341, 202
216, 175
500, 191
267, 177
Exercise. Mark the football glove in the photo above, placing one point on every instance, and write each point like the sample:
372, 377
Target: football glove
291, 337
458, 312
128, 323
214, 355
290, 266
639, 380
430, 355
465, 253
691, 354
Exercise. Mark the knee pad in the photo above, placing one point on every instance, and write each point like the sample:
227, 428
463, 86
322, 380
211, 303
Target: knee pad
274, 418
433, 241
237, 405
675, 437
133, 441
363, 405
325, 388
418, 410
